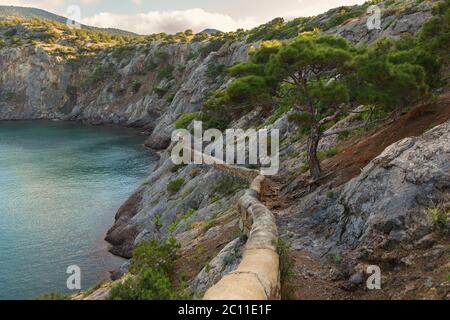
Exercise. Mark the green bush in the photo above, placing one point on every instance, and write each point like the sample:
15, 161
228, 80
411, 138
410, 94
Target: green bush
166, 73
136, 86
101, 73
215, 70
185, 120
439, 216
152, 267
151, 255
184, 217
160, 92
124, 52
228, 186
175, 185
150, 285
212, 46
10, 33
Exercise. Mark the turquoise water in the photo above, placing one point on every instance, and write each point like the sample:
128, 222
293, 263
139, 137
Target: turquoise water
60, 187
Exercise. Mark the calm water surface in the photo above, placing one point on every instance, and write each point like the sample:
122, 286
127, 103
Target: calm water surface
60, 187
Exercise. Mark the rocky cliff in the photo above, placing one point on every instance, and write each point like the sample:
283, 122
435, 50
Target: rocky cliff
150, 84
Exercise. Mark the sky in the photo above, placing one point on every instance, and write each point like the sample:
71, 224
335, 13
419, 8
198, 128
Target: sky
171, 16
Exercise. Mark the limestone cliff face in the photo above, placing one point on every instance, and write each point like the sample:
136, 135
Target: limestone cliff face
32, 84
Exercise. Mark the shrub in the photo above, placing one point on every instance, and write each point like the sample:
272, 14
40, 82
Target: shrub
215, 70
10, 33
212, 46
185, 120
152, 268
151, 255
102, 72
136, 86
304, 168
151, 284
184, 217
166, 73
227, 186
175, 185
286, 267
124, 52
160, 92
162, 55
157, 222
439, 215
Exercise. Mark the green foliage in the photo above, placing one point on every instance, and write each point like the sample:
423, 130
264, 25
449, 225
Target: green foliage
136, 85
333, 258
160, 92
157, 222
434, 44
101, 73
439, 215
286, 267
153, 266
249, 88
152, 255
123, 52
10, 33
185, 120
184, 217
166, 73
304, 168
387, 77
210, 47
278, 113
227, 186
161, 56
215, 70
177, 168
199, 37
175, 185
149, 285
343, 15
326, 153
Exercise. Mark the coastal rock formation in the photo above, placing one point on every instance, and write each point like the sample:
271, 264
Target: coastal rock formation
387, 203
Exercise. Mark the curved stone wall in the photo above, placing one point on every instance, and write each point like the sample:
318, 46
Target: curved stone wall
257, 276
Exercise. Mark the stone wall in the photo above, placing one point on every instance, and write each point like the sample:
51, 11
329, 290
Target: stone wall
257, 277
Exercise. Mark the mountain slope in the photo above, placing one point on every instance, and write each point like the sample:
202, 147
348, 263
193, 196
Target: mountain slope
24, 13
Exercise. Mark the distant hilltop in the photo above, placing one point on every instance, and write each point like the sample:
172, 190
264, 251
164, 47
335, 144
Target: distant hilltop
211, 31
13, 12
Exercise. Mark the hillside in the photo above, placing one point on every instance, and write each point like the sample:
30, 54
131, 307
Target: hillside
375, 200
24, 13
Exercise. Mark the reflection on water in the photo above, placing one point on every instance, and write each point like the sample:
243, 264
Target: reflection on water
60, 187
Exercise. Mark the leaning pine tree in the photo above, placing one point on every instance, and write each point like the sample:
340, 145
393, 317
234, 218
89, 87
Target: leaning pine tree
323, 77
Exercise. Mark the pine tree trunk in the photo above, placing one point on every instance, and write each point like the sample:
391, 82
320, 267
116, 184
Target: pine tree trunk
313, 143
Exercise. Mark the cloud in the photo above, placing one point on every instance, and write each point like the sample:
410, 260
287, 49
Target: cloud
171, 21
51, 5
312, 8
